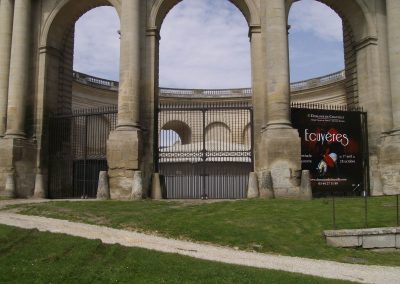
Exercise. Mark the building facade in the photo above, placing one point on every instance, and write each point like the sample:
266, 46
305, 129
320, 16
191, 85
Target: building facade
36, 52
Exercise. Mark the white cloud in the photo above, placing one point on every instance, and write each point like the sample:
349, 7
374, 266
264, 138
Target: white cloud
317, 18
97, 43
205, 44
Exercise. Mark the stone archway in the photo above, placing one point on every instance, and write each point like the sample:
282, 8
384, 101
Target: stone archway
364, 66
54, 85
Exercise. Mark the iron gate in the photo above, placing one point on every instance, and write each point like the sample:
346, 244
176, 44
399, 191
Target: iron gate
205, 150
77, 151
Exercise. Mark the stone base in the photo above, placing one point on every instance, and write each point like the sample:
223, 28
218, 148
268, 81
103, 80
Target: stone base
280, 153
389, 163
18, 156
374, 238
123, 160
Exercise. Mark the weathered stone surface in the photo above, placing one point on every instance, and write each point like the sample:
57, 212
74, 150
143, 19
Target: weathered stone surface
389, 158
252, 191
18, 156
367, 238
137, 186
103, 189
398, 240
156, 192
123, 160
305, 186
10, 188
281, 152
379, 241
40, 186
265, 185
345, 241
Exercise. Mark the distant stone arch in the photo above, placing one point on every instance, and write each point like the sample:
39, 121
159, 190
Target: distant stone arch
218, 131
180, 128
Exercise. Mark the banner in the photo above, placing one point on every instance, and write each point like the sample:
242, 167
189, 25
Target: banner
331, 149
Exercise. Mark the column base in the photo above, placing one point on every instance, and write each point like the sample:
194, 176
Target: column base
280, 154
123, 157
389, 163
17, 156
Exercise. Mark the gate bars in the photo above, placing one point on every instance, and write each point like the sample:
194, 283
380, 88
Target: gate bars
205, 149
77, 151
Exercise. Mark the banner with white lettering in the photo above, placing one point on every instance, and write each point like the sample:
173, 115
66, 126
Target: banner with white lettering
331, 149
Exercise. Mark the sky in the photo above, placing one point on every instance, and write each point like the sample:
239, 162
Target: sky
205, 44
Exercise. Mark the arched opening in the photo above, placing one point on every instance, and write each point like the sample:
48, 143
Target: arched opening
77, 139
204, 52
205, 45
175, 133
218, 132
337, 30
315, 40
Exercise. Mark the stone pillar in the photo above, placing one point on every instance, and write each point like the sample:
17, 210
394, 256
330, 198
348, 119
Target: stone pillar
258, 83
129, 85
389, 150
393, 23
6, 22
124, 144
280, 143
19, 70
148, 104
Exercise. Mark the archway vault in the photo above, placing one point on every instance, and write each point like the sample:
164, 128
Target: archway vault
65, 14
161, 8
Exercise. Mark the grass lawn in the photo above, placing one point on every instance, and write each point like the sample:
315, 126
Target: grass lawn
288, 227
28, 256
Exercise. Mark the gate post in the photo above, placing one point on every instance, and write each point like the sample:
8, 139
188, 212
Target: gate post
124, 144
280, 144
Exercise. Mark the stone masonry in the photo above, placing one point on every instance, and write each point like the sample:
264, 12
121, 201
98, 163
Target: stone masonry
35, 70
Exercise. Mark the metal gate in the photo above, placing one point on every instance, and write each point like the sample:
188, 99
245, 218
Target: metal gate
77, 151
205, 150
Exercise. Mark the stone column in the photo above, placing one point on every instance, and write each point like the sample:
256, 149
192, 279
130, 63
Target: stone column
393, 23
258, 90
19, 70
280, 143
389, 150
124, 144
129, 88
149, 103
6, 22
277, 66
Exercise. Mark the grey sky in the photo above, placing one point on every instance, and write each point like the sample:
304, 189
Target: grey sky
205, 44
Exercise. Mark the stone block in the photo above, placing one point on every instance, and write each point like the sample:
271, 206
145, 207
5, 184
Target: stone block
389, 163
137, 186
252, 190
18, 156
344, 241
156, 192
379, 241
398, 241
123, 152
280, 154
305, 186
265, 185
103, 189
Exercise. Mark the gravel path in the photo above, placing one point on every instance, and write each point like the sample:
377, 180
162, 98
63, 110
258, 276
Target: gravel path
322, 268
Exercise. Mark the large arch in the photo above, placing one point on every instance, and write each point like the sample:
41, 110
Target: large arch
54, 68
161, 8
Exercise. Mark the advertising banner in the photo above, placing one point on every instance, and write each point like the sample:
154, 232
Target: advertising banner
331, 149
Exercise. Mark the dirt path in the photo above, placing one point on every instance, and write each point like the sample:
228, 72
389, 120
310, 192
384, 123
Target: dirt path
322, 268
